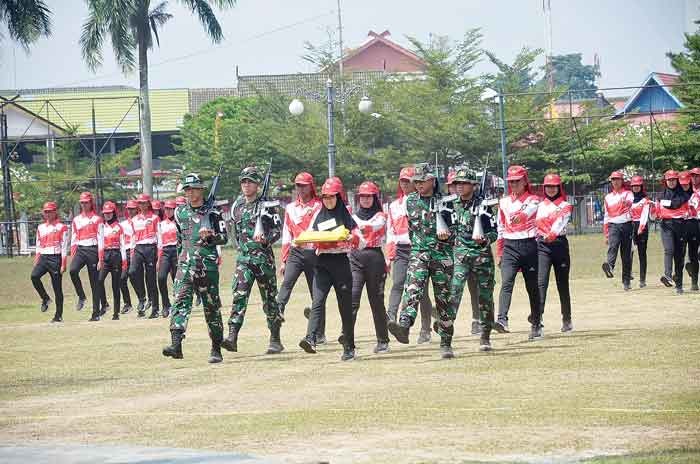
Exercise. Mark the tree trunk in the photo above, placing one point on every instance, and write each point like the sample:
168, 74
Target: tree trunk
145, 121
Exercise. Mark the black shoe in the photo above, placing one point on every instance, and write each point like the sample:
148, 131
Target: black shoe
348, 354
126, 309
399, 332
485, 342
56, 319
567, 326
154, 314
166, 312
321, 339
115, 317
381, 348
446, 348
307, 312
626, 286
501, 326
307, 345
174, 350
80, 304
642, 284
536, 333
45, 305
141, 314
275, 346
667, 281
230, 343
607, 269
141, 307
215, 354
94, 318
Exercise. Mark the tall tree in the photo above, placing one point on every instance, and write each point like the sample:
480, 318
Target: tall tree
132, 26
569, 73
26, 20
687, 64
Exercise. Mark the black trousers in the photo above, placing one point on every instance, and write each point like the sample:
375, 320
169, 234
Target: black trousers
692, 227
168, 267
673, 240
143, 263
398, 278
519, 255
556, 255
86, 256
620, 237
332, 271
125, 281
640, 241
368, 268
52, 265
112, 266
299, 261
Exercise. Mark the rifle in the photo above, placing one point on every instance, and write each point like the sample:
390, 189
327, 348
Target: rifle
442, 204
211, 198
263, 206
482, 208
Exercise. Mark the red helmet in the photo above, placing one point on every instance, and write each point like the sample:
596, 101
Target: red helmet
304, 178
50, 206
516, 173
368, 188
684, 178
695, 171
180, 201
407, 173
156, 204
109, 207
170, 204
616, 175
670, 174
143, 198
451, 177
552, 180
332, 186
131, 204
637, 181
86, 197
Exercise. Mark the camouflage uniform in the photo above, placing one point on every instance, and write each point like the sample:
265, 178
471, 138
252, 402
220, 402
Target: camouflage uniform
255, 261
471, 257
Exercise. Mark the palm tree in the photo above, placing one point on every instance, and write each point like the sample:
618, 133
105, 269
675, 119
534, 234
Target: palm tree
132, 26
26, 20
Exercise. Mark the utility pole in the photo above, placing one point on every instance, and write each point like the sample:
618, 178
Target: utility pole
330, 96
96, 157
6, 188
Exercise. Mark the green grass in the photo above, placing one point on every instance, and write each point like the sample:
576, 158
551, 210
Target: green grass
625, 383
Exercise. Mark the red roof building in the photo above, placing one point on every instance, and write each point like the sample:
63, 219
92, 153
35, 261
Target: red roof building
380, 53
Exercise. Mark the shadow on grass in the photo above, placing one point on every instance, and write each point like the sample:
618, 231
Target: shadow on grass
671, 456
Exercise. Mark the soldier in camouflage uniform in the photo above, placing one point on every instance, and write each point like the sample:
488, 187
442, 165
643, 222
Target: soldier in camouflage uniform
199, 231
431, 258
255, 260
471, 256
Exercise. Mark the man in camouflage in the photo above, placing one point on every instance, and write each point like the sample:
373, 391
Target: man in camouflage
255, 260
431, 258
472, 255
199, 231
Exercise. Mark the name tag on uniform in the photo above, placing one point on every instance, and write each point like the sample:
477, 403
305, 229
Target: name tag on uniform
666, 203
327, 225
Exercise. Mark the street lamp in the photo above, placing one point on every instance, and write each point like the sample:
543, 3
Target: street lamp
296, 108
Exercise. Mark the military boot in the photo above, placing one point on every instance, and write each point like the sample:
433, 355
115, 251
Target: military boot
446, 348
398, 331
275, 345
485, 342
215, 354
45, 305
536, 332
174, 350
230, 343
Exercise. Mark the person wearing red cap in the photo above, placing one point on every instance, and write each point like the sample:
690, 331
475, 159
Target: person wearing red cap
83, 251
144, 254
51, 256
516, 248
333, 268
451, 187
298, 259
128, 229
553, 215
617, 228
167, 253
180, 201
672, 210
690, 228
367, 265
641, 211
157, 207
111, 250
398, 251
693, 230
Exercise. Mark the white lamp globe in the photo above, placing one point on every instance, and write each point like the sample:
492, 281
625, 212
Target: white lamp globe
296, 107
365, 105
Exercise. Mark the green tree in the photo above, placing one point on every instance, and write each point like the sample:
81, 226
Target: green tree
132, 27
26, 20
687, 64
569, 73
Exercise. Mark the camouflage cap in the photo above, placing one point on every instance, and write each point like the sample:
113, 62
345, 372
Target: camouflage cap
251, 173
424, 171
192, 180
465, 175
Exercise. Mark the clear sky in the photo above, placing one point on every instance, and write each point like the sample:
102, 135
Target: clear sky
267, 36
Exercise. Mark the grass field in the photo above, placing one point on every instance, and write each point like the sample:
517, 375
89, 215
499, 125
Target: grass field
625, 383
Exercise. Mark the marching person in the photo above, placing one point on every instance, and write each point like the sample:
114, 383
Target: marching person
144, 254
199, 232
690, 223
473, 260
617, 228
516, 248
333, 268
51, 256
672, 210
298, 259
398, 251
431, 259
157, 207
128, 229
641, 212
451, 188
83, 251
254, 261
167, 252
553, 215
693, 230
111, 251
367, 265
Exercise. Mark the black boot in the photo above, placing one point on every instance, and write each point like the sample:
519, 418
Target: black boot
348, 354
175, 349
230, 343
275, 346
485, 342
446, 348
215, 355
155, 314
